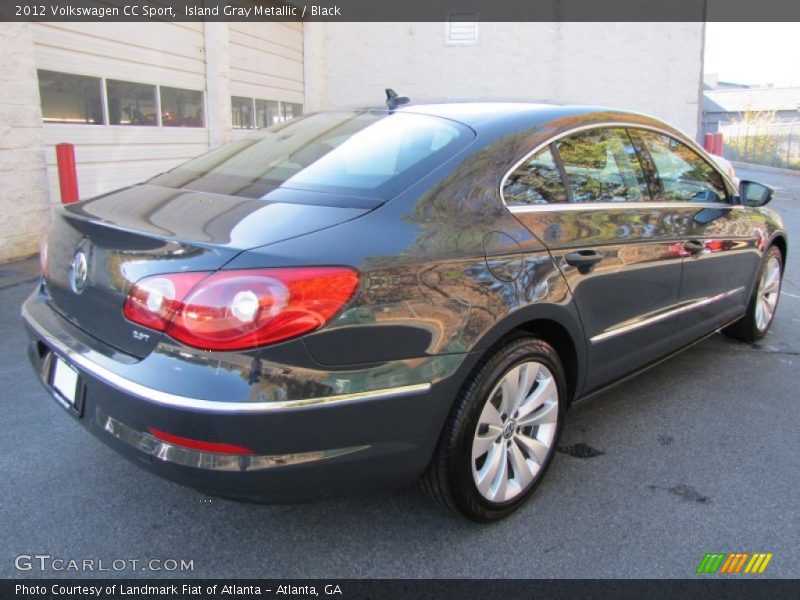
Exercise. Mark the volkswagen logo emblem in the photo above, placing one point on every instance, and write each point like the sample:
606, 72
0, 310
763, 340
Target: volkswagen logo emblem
79, 272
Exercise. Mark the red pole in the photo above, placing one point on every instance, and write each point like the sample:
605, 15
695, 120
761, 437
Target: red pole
718, 143
67, 173
708, 142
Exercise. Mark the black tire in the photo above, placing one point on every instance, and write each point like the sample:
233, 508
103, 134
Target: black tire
448, 479
746, 328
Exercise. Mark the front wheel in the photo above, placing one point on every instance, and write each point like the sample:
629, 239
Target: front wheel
502, 433
764, 302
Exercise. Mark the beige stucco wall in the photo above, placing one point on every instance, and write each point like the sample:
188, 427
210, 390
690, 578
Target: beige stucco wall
649, 67
24, 195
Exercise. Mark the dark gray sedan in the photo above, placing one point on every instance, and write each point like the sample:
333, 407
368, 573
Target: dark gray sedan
380, 296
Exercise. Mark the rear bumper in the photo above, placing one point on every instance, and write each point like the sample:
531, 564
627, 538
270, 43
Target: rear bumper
301, 445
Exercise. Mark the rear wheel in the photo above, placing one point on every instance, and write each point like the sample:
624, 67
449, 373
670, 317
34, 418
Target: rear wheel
501, 434
761, 309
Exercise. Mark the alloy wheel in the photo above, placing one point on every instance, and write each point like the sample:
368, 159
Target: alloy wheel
515, 432
768, 289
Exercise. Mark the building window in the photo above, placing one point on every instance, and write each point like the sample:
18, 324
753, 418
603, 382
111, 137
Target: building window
461, 29
181, 108
247, 113
291, 110
242, 112
268, 112
131, 103
70, 98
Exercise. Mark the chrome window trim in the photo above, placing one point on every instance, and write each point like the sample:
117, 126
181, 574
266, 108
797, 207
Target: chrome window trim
627, 328
213, 461
605, 205
184, 402
578, 206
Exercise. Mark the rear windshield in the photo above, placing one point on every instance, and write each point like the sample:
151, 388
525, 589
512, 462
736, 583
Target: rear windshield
371, 154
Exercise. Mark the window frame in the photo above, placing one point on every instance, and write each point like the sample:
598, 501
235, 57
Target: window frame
203, 103
254, 107
588, 205
60, 123
106, 122
107, 112
566, 179
657, 190
559, 168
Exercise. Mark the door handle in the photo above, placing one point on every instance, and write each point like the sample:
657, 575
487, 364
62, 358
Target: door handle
584, 258
694, 247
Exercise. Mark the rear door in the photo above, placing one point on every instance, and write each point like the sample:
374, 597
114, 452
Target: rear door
615, 248
717, 237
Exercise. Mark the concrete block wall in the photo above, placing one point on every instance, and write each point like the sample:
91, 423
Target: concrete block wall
24, 195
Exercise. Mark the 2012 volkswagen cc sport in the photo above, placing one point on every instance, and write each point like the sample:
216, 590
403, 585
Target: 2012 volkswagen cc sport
380, 296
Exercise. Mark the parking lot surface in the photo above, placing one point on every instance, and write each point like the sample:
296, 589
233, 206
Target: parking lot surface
700, 454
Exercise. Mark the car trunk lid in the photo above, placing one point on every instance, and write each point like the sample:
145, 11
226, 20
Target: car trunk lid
150, 230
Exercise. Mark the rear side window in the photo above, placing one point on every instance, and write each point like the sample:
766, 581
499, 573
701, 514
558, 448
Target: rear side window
536, 181
682, 174
372, 154
601, 165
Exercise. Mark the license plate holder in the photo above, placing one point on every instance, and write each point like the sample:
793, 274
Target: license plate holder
65, 381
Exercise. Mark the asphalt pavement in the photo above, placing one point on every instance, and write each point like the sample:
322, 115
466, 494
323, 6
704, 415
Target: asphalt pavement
700, 454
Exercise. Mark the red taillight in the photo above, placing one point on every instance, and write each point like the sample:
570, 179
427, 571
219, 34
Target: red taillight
235, 310
200, 445
154, 301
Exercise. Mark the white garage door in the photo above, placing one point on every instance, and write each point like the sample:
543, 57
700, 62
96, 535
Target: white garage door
132, 96
266, 73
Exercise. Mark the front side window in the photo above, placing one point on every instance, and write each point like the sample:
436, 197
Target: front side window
601, 165
682, 174
73, 99
181, 108
131, 103
536, 181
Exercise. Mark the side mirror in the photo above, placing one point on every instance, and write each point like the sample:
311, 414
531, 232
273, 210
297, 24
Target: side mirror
755, 194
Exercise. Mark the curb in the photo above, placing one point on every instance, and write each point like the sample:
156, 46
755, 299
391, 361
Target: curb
766, 169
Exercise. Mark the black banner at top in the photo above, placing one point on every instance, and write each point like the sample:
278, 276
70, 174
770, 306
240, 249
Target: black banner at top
399, 10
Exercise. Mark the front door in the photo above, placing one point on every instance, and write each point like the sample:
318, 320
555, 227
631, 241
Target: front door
717, 237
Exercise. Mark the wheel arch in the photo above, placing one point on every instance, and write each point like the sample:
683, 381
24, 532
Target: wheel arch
780, 242
557, 325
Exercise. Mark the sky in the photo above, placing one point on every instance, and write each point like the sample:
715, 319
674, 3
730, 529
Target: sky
754, 53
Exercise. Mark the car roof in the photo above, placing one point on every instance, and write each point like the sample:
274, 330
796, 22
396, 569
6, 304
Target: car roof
475, 113
500, 117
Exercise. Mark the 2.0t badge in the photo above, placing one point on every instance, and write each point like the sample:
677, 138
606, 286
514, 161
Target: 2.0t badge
79, 272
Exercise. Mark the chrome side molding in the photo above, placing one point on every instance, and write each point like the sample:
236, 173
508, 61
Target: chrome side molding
589, 206
628, 327
212, 461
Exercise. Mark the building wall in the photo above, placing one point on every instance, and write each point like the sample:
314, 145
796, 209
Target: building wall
114, 156
256, 60
266, 63
648, 67
267, 60
24, 197
653, 68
